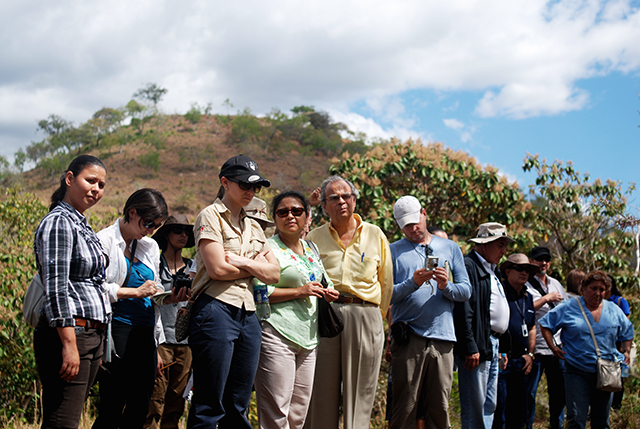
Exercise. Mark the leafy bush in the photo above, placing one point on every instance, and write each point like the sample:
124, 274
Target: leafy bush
19, 218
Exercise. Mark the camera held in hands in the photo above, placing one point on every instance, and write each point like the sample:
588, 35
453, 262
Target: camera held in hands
431, 263
180, 280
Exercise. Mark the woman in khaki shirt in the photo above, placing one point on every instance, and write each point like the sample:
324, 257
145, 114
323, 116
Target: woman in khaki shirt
224, 334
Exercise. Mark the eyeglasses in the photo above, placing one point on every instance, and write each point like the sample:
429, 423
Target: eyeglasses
543, 259
149, 224
246, 186
284, 212
519, 268
332, 199
179, 230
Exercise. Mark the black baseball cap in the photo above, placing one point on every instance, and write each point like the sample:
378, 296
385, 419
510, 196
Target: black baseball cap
244, 169
540, 252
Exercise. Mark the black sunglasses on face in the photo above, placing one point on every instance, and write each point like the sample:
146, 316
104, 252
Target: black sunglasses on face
543, 259
149, 224
284, 212
519, 268
179, 230
246, 186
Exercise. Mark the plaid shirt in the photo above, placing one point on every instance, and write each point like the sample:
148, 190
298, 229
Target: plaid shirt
71, 264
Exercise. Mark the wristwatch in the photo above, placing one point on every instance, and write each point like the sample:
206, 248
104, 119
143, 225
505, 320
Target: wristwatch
532, 356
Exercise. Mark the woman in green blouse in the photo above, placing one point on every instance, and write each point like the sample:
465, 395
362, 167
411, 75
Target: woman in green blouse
290, 336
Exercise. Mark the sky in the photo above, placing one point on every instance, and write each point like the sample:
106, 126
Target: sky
494, 78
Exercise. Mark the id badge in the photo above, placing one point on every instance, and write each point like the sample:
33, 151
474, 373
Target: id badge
525, 331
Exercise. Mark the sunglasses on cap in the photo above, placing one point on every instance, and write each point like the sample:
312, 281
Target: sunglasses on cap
246, 186
149, 224
284, 212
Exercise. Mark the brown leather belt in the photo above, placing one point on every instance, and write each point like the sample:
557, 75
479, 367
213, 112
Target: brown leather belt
88, 324
352, 300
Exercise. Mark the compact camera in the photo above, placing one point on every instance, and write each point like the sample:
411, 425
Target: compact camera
431, 263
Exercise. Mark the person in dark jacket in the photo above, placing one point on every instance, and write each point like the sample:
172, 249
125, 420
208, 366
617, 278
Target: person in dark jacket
516, 379
479, 323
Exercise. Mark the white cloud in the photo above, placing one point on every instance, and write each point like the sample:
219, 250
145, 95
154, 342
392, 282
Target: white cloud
526, 58
454, 124
359, 123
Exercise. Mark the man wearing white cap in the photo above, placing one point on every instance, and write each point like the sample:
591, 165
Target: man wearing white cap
423, 330
479, 322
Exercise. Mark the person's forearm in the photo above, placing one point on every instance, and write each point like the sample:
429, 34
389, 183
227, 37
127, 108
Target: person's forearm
548, 337
284, 294
532, 339
266, 272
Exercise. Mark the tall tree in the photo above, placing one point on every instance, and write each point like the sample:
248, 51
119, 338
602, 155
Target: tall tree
151, 92
578, 218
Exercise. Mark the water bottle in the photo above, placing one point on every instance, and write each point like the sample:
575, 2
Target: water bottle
261, 297
625, 369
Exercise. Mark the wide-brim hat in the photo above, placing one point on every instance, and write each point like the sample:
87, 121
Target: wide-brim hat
244, 169
491, 231
257, 209
161, 235
519, 259
407, 210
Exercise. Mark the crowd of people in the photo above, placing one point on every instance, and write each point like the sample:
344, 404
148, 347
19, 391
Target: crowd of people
112, 299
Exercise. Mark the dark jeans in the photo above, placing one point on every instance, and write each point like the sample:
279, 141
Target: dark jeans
514, 398
63, 401
554, 370
582, 395
225, 344
127, 381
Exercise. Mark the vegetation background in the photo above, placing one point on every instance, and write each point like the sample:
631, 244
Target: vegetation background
585, 222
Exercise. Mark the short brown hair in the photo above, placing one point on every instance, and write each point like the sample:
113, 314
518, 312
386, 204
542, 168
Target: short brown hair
597, 276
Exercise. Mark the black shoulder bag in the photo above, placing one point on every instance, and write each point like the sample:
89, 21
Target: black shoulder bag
330, 323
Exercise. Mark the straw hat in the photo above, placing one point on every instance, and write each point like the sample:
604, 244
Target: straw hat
491, 231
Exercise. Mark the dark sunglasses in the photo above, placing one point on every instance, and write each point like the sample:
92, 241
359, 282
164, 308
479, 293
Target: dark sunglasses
296, 211
543, 259
246, 186
520, 268
149, 224
180, 229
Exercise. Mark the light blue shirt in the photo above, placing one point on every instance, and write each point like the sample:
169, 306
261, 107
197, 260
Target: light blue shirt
576, 338
427, 309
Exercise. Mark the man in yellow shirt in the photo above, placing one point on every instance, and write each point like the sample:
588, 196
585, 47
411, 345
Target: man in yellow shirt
357, 258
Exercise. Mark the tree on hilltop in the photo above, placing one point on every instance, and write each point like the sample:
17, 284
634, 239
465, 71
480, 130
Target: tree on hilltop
152, 92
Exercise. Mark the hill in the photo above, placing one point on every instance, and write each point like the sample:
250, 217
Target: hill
189, 157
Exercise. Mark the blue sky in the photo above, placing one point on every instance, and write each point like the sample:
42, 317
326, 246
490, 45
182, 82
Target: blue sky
496, 78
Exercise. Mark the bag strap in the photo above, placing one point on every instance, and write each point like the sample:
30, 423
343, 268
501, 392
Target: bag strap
533, 281
133, 253
316, 252
595, 343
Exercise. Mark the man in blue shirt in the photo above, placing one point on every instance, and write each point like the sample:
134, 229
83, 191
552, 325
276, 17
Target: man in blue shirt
423, 330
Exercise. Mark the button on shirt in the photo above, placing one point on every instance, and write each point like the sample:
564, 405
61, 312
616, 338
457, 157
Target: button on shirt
363, 268
499, 306
427, 309
70, 263
214, 223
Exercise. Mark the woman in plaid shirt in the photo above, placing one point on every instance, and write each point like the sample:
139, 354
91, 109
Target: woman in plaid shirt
69, 338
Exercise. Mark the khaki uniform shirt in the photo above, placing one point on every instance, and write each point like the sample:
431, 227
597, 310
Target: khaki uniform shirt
364, 268
214, 223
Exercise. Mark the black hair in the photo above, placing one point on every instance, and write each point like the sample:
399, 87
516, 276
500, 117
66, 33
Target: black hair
614, 286
435, 228
148, 203
78, 164
293, 194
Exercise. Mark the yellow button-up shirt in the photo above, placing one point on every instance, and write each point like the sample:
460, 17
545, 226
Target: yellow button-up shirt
364, 268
